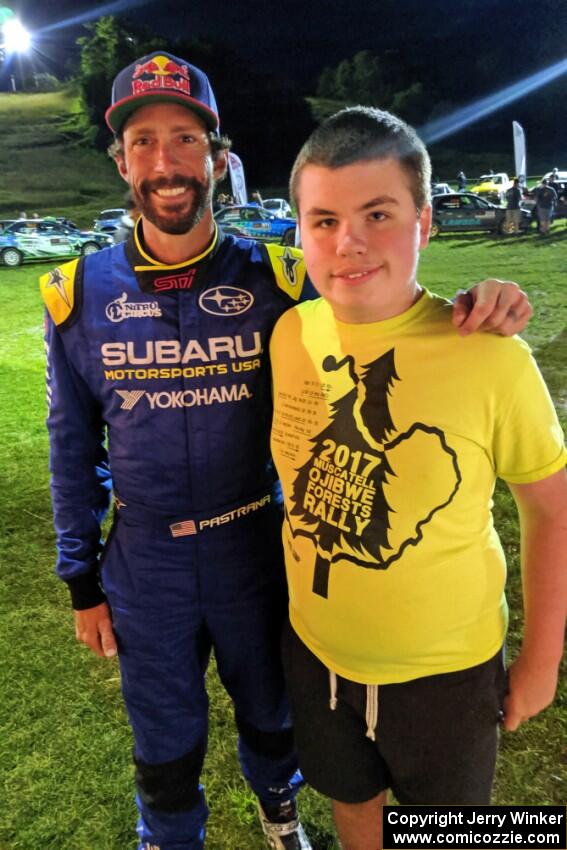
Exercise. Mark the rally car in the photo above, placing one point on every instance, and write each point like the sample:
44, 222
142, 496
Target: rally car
440, 189
278, 206
465, 211
47, 239
257, 223
109, 220
492, 186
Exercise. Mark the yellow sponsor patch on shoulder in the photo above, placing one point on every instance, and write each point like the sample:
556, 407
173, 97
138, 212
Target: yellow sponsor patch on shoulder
289, 268
57, 289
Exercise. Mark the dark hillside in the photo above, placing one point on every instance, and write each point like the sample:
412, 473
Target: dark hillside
45, 166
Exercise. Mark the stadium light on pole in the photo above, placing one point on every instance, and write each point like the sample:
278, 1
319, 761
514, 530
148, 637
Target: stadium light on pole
15, 40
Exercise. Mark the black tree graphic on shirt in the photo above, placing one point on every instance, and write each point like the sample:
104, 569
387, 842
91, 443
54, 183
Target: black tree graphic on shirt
355, 502
339, 493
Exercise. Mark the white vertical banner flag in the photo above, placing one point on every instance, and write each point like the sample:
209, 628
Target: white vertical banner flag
237, 179
519, 150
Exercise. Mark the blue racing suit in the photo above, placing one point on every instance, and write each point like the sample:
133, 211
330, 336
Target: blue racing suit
159, 392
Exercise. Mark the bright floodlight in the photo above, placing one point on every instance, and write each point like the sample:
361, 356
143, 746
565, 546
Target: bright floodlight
440, 128
16, 38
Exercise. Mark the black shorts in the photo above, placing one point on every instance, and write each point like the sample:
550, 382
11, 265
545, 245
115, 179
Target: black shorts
436, 737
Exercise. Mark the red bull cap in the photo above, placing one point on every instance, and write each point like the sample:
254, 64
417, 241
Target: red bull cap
161, 78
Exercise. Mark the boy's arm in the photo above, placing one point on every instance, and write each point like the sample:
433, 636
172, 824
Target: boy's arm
493, 305
543, 519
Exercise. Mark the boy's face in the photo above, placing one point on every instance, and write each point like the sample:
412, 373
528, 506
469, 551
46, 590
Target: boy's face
361, 237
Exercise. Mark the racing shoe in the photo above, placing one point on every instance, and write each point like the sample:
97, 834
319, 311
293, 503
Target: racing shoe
281, 826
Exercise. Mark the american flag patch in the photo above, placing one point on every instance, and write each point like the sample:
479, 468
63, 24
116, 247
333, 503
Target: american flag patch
182, 529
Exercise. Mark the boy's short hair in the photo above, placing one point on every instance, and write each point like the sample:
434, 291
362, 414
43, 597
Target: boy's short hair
360, 134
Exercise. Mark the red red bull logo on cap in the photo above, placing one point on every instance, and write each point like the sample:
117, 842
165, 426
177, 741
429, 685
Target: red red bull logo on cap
160, 72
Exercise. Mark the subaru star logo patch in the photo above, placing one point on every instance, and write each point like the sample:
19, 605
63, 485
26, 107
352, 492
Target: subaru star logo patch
226, 301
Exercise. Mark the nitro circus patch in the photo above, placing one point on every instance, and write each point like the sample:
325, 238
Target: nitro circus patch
121, 309
226, 301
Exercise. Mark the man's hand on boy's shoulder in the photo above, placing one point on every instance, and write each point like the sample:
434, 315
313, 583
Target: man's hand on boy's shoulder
493, 305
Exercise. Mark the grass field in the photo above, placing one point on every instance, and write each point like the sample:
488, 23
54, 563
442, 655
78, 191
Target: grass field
64, 744
65, 767
45, 166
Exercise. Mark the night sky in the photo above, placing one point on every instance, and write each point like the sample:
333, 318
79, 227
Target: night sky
298, 38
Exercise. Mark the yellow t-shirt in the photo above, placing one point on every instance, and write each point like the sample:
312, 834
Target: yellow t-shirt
388, 438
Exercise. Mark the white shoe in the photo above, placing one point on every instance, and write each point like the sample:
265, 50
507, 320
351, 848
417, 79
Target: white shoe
284, 832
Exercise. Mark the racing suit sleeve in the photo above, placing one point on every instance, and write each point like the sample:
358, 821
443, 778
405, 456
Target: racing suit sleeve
80, 474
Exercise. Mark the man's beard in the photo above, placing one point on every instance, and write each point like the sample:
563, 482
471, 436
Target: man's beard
179, 219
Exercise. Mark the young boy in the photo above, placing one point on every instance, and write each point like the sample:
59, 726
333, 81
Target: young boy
389, 433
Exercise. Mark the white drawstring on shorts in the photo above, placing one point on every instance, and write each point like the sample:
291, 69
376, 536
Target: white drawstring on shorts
371, 704
371, 711
333, 688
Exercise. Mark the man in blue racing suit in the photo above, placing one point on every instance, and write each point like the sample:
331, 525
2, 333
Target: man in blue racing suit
158, 373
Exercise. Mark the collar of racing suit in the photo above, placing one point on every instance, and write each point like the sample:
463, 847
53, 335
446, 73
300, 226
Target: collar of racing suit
154, 276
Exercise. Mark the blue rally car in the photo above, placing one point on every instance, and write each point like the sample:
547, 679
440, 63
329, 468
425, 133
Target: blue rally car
47, 239
257, 223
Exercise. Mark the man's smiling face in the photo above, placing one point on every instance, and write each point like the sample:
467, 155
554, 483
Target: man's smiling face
167, 162
361, 235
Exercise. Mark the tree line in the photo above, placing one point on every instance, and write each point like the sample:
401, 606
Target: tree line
268, 117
